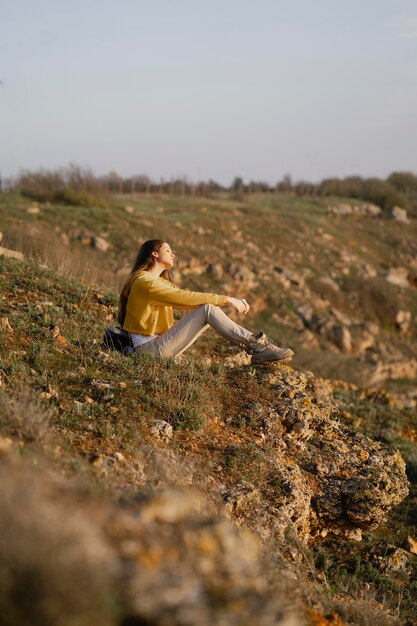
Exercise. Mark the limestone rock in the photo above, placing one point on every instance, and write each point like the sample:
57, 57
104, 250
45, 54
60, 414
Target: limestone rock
341, 337
237, 360
364, 336
294, 278
399, 215
364, 209
162, 430
181, 568
190, 266
395, 370
403, 320
412, 545
243, 275
391, 559
5, 325
323, 478
371, 210
216, 270
329, 282
340, 209
100, 243
33, 209
13, 254
398, 276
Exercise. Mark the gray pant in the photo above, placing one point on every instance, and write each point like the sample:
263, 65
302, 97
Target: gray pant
180, 337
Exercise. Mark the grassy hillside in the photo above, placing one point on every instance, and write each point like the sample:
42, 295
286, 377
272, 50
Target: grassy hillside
309, 275
82, 422
69, 407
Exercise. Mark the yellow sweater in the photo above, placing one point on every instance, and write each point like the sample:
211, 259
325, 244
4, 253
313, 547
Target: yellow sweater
150, 302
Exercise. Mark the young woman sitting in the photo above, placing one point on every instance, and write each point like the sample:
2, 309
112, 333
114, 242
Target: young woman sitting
146, 308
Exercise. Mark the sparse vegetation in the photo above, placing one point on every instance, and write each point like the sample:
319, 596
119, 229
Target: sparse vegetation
68, 404
71, 185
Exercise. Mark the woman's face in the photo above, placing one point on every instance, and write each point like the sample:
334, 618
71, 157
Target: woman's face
165, 256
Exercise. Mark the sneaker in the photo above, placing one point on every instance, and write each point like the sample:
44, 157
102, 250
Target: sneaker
263, 351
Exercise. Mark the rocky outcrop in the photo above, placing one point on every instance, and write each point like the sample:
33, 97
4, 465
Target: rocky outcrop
322, 478
365, 209
394, 370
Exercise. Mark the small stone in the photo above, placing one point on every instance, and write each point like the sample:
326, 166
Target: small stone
5, 325
61, 341
329, 282
162, 430
33, 209
89, 400
118, 456
412, 545
129, 209
11, 254
78, 407
341, 337
398, 276
5, 445
403, 320
96, 459
101, 244
341, 209
399, 215
369, 209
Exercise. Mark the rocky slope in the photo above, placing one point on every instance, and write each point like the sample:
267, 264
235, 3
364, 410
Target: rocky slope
335, 279
181, 493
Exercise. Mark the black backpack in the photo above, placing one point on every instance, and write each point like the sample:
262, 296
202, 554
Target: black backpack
118, 339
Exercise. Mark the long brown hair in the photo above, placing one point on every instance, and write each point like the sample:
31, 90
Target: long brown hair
143, 261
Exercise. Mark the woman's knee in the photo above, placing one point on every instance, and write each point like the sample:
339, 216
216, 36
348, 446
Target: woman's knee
208, 309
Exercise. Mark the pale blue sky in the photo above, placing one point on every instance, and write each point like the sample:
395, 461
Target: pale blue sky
210, 88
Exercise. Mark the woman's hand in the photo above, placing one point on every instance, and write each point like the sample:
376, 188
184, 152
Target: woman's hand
239, 304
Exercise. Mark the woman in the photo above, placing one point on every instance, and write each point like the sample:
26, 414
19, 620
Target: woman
147, 300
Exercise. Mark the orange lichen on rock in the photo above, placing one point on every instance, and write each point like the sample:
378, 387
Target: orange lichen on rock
320, 620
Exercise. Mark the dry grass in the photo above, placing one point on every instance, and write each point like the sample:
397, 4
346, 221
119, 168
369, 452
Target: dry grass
72, 185
22, 415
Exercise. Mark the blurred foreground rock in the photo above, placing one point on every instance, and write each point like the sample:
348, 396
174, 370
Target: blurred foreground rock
71, 560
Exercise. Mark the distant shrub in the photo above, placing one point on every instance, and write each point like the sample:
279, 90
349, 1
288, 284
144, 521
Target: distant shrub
406, 183
381, 192
403, 181
71, 185
384, 194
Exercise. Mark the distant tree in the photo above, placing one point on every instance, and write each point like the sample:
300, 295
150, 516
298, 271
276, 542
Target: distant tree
237, 184
304, 188
403, 181
384, 194
285, 185
214, 186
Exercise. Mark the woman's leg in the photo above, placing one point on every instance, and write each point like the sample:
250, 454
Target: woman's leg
180, 337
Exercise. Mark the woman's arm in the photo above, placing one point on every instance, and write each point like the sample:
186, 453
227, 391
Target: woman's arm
163, 293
